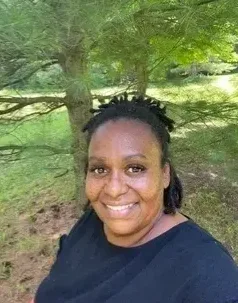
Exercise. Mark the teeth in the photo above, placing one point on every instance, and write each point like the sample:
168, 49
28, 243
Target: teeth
120, 207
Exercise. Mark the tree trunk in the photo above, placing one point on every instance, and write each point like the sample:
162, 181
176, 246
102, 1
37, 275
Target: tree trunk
78, 101
141, 65
78, 114
142, 75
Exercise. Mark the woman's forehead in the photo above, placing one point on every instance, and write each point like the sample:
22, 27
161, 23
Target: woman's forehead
124, 137
125, 125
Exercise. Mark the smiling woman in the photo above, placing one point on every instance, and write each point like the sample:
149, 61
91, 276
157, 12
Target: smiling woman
133, 244
126, 180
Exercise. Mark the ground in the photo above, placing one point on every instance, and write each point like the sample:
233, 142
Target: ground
24, 270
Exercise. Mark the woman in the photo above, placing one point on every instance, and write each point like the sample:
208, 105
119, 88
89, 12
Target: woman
132, 244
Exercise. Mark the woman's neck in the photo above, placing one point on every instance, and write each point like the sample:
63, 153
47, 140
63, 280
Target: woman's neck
160, 225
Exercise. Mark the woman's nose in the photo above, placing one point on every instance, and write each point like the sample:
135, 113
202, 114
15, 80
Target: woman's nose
115, 186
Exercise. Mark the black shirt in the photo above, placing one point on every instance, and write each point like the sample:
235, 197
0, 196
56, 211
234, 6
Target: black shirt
183, 265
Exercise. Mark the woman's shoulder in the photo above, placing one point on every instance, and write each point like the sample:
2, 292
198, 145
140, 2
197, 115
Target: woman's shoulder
204, 253
203, 263
85, 224
195, 239
88, 217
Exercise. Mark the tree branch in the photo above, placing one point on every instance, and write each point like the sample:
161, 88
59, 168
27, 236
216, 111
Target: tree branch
47, 64
20, 148
32, 100
204, 2
174, 7
25, 117
12, 109
62, 174
160, 60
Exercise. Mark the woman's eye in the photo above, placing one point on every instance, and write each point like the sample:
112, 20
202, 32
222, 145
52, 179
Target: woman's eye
97, 170
136, 169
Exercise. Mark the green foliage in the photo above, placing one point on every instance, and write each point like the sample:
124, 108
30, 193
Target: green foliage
118, 36
158, 33
51, 79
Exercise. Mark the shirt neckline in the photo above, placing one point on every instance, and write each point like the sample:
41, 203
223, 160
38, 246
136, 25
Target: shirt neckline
140, 247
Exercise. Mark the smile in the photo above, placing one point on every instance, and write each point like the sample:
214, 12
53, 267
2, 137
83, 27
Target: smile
119, 207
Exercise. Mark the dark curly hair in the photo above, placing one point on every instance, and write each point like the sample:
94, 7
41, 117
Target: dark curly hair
151, 112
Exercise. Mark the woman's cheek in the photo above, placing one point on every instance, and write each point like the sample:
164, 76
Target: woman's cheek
92, 188
141, 184
147, 188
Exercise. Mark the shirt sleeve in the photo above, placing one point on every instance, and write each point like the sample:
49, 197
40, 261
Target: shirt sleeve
62, 241
75, 232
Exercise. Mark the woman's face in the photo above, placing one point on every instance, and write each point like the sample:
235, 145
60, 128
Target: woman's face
125, 179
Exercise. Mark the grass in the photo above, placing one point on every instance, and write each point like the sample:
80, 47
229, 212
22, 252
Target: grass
204, 152
35, 170
30, 183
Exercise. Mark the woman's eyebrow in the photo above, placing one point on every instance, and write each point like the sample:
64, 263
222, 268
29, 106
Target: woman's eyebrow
135, 156
96, 158
129, 157
103, 159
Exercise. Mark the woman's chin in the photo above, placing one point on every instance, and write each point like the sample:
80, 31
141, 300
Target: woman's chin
120, 229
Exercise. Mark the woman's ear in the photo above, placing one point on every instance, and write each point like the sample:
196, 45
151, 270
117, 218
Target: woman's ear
166, 175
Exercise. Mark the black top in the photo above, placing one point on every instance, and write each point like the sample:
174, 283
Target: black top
183, 265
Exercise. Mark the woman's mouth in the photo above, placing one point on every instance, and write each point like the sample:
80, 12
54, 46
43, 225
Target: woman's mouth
120, 211
119, 207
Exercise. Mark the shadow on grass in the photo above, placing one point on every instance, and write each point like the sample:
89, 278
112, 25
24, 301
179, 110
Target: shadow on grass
206, 160
203, 111
183, 81
206, 144
204, 147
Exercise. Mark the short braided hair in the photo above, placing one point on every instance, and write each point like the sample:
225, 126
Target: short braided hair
152, 113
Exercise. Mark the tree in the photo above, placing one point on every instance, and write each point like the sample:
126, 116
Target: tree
139, 37
36, 34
